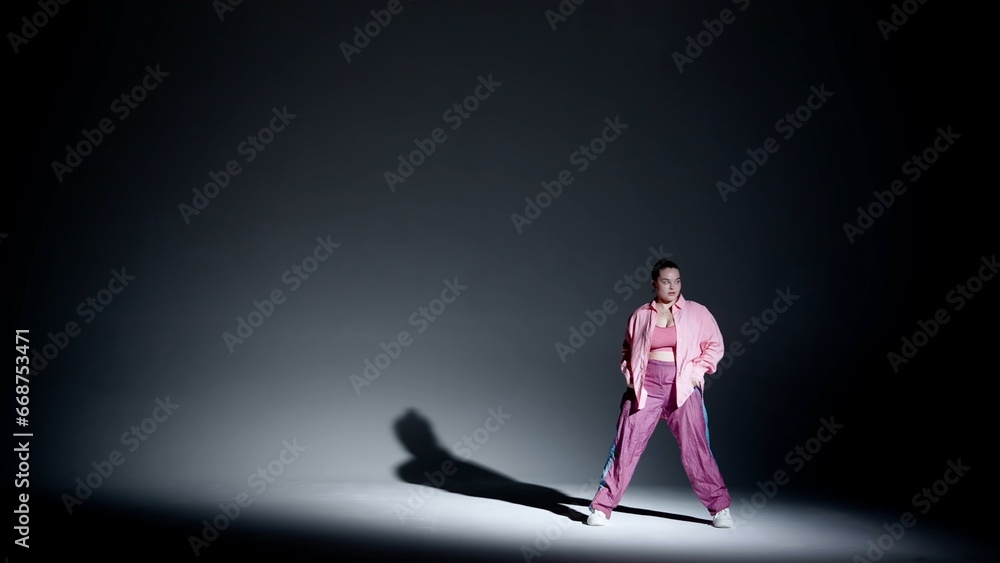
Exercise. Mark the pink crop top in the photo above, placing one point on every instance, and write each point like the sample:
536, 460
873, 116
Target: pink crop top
663, 337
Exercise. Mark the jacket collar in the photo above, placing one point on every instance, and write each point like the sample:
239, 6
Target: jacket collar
679, 303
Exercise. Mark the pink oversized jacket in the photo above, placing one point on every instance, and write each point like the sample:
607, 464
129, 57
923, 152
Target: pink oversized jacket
699, 347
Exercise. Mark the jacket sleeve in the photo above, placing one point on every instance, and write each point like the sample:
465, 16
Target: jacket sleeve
627, 351
711, 344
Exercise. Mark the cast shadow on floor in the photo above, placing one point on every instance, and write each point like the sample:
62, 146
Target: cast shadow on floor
431, 465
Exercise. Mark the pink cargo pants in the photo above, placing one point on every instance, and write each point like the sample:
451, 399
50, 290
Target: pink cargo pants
689, 425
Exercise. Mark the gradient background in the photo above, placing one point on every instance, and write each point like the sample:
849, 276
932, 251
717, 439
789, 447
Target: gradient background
495, 345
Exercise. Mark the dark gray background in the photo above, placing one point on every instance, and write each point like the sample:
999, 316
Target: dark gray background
494, 346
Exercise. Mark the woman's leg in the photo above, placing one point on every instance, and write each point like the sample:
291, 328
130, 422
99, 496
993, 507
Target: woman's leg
634, 430
689, 425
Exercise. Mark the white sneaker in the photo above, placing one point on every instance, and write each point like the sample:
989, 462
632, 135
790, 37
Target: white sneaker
722, 519
597, 518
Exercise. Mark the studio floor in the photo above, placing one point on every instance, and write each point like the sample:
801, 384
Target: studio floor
388, 521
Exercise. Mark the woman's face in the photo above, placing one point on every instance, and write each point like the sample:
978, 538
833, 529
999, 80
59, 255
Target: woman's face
668, 285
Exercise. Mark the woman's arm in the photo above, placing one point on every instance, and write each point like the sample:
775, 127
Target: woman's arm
712, 349
627, 351
626, 354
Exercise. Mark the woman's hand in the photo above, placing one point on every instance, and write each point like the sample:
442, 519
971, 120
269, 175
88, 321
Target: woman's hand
697, 375
699, 382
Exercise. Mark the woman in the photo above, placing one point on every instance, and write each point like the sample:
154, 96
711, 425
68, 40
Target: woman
670, 344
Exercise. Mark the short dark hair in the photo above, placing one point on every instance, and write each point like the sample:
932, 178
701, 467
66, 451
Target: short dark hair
661, 264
